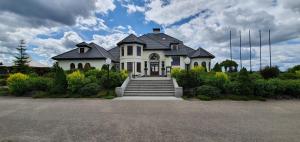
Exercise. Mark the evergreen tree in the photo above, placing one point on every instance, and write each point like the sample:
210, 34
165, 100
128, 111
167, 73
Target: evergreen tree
217, 68
60, 80
21, 61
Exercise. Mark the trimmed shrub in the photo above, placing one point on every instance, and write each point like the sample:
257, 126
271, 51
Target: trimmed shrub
115, 79
207, 90
198, 69
277, 87
2, 82
188, 79
243, 84
89, 89
17, 84
222, 76
289, 75
75, 81
175, 72
38, 84
270, 72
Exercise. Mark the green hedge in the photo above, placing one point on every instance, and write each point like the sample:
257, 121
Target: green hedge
275, 87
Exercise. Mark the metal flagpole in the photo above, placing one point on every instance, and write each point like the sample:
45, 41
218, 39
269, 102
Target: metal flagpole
250, 51
270, 51
230, 47
241, 50
260, 50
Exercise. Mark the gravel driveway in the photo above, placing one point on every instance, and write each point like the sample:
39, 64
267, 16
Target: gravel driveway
90, 120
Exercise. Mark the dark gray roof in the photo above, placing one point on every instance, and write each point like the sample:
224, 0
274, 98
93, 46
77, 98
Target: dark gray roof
201, 53
151, 41
95, 52
131, 39
115, 52
182, 51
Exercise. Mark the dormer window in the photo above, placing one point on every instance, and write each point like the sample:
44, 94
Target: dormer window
174, 46
81, 50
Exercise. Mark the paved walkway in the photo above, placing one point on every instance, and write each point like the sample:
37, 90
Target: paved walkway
92, 120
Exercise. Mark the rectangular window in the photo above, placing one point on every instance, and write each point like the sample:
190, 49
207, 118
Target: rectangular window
162, 64
139, 51
81, 50
129, 50
129, 66
145, 64
138, 66
122, 66
176, 61
122, 50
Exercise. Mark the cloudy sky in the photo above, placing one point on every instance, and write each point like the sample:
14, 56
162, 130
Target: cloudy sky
53, 27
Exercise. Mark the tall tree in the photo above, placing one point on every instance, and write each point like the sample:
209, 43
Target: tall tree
21, 61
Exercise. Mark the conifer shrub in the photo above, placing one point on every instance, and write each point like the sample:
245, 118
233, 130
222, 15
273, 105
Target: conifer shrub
270, 72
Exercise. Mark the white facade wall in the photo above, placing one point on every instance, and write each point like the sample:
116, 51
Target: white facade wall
65, 64
200, 60
98, 63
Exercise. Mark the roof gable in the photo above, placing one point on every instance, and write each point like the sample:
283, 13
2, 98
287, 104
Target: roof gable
95, 52
131, 39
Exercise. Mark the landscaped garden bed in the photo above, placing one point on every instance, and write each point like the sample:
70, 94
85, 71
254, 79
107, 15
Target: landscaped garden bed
91, 83
269, 83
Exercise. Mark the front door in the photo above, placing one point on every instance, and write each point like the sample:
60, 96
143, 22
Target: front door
154, 68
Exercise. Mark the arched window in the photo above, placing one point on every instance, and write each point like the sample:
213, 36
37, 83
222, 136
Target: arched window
87, 66
203, 64
72, 66
195, 64
80, 66
154, 57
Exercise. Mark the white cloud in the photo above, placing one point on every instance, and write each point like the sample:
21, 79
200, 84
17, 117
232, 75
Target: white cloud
50, 47
207, 24
91, 23
103, 6
131, 8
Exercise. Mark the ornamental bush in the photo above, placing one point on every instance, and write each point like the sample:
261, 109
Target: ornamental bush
39, 84
175, 72
222, 76
188, 79
89, 89
270, 72
75, 81
115, 80
277, 87
198, 69
207, 90
17, 84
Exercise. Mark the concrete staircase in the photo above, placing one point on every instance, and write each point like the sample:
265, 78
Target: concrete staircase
150, 87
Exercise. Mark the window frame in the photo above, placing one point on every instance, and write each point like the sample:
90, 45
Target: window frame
139, 51
131, 51
122, 51
81, 50
129, 69
138, 67
175, 64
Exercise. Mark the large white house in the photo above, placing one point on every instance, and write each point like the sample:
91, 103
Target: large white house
152, 54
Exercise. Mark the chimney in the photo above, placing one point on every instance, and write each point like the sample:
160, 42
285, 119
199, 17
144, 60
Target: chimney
156, 30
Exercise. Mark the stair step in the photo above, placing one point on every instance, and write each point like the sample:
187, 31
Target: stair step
157, 84
148, 94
